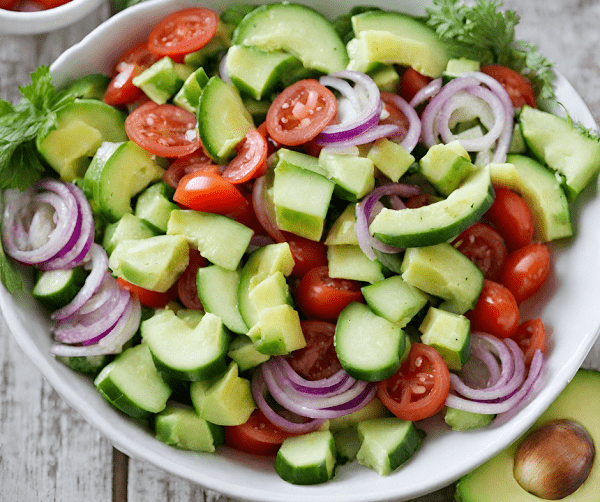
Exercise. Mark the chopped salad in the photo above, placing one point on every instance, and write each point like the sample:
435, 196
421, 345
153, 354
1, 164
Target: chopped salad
298, 236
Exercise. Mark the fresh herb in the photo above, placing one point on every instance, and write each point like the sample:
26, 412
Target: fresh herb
481, 31
20, 163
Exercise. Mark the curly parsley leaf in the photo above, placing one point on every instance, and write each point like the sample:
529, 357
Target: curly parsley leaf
481, 31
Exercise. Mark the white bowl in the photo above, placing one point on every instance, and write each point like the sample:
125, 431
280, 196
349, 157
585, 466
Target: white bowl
568, 306
33, 23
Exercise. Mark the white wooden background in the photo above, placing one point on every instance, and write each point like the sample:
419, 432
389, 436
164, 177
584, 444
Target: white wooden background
47, 451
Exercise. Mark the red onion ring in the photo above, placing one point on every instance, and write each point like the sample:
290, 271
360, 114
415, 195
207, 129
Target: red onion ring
322, 386
370, 135
410, 140
265, 213
427, 92
125, 328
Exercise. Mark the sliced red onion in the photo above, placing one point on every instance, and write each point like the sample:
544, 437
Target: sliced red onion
265, 213
427, 92
223, 73
98, 263
125, 328
344, 88
107, 290
301, 426
322, 386
363, 213
372, 134
413, 134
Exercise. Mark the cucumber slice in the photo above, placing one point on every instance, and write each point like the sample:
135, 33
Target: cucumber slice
56, 288
88, 365
368, 346
296, 29
132, 384
440, 221
387, 443
308, 459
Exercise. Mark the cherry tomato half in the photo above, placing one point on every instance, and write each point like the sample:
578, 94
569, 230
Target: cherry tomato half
164, 130
147, 297
183, 32
419, 388
319, 296
517, 86
525, 270
531, 336
250, 161
300, 112
257, 435
411, 82
187, 289
512, 217
197, 161
318, 359
307, 254
496, 312
208, 192
50, 4
395, 115
485, 247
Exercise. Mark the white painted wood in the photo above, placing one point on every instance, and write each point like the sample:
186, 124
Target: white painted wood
47, 452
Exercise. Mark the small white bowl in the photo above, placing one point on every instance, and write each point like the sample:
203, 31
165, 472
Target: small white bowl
34, 23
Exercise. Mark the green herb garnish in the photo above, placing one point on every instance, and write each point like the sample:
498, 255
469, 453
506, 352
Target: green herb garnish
483, 32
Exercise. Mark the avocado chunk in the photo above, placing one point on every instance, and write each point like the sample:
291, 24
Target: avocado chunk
494, 481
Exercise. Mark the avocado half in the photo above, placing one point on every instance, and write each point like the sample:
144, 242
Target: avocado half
494, 480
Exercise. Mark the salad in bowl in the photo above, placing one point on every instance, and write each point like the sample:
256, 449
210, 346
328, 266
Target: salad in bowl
300, 250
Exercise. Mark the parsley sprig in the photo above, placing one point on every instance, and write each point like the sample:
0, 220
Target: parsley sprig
483, 32
20, 124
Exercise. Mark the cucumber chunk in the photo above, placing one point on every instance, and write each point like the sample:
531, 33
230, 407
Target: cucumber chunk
368, 346
308, 459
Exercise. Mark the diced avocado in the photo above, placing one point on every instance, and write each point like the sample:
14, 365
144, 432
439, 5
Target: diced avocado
256, 72
81, 127
219, 239
244, 353
223, 400
188, 96
449, 334
223, 120
446, 166
386, 78
271, 292
286, 157
296, 29
368, 346
354, 176
387, 443
183, 352
542, 192
439, 221
456, 67
343, 230
494, 481
92, 86
373, 409
154, 263
563, 148
394, 299
128, 227
301, 200
443, 271
390, 158
132, 384
307, 459
153, 206
278, 331
161, 81
181, 427
461, 420
347, 261
396, 38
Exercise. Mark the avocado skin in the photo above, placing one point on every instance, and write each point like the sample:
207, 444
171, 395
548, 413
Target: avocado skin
494, 481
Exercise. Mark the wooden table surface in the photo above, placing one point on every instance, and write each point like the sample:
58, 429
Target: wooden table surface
47, 451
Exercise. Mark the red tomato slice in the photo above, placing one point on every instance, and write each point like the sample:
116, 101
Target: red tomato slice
411, 82
525, 270
50, 4
419, 388
318, 359
531, 336
257, 435
7, 4
183, 32
485, 247
187, 290
300, 112
164, 130
496, 312
250, 161
307, 254
208, 192
319, 296
396, 117
120, 90
147, 297
518, 86
197, 161
512, 217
